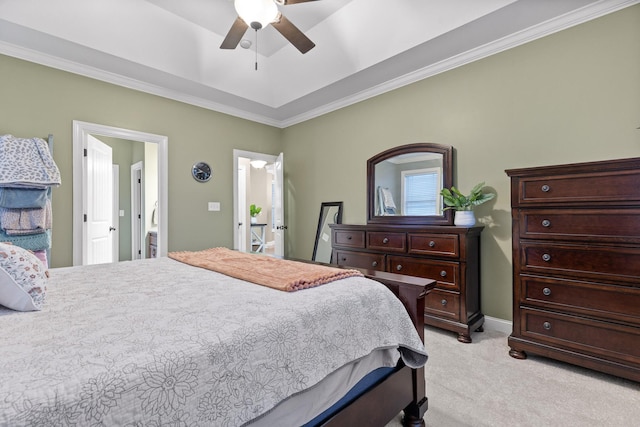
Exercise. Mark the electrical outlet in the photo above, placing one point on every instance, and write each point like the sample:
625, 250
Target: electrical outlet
214, 206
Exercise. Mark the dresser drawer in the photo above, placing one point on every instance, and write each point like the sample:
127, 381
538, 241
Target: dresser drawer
360, 259
590, 188
388, 242
607, 301
447, 273
442, 303
612, 340
445, 245
592, 261
581, 224
353, 239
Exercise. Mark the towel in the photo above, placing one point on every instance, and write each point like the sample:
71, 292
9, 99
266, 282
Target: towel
387, 205
21, 198
276, 273
25, 221
32, 242
27, 162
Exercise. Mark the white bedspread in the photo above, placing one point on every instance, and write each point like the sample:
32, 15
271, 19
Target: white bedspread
157, 342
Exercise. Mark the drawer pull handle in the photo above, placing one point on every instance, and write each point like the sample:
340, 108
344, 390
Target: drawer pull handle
546, 257
546, 326
374, 264
385, 240
443, 302
546, 291
344, 258
399, 267
443, 273
545, 188
546, 223
349, 237
432, 244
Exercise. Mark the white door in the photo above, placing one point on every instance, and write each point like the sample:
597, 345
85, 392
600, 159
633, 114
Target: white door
242, 209
99, 209
278, 211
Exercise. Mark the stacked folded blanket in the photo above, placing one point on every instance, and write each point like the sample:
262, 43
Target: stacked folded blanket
27, 174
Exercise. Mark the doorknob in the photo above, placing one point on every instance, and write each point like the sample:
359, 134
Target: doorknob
112, 228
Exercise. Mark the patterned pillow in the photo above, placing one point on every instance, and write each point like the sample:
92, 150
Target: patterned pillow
23, 281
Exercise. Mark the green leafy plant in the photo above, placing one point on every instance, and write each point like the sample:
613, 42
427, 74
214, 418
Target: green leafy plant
454, 199
254, 210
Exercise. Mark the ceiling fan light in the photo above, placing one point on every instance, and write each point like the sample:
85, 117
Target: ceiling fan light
258, 164
261, 11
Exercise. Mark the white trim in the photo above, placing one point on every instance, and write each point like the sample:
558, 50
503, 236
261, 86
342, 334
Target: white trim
80, 132
579, 16
496, 324
137, 191
248, 155
115, 250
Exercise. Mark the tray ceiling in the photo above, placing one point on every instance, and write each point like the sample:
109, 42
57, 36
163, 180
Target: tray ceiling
363, 47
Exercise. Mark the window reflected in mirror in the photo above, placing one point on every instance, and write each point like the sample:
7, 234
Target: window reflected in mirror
409, 184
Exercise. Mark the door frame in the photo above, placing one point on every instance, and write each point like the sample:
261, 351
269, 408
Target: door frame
237, 154
81, 130
115, 216
137, 211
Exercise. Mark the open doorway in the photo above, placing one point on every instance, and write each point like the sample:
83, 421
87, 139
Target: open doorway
156, 164
258, 182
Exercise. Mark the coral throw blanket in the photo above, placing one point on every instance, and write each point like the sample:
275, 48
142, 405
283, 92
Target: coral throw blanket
284, 275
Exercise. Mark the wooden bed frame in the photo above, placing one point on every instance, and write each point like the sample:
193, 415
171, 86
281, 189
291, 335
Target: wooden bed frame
405, 389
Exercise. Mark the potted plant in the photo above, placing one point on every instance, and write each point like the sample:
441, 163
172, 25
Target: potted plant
254, 211
463, 205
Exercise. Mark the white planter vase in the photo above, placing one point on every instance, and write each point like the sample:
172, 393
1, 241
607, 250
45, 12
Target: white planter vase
254, 220
464, 218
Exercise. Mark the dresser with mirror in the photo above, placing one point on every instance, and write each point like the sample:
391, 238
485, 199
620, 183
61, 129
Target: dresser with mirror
409, 232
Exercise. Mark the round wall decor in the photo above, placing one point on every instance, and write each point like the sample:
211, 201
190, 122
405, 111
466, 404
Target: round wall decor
201, 172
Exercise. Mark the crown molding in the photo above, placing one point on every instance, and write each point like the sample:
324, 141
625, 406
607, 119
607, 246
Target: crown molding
579, 16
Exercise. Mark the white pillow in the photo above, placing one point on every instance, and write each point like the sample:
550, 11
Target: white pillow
23, 280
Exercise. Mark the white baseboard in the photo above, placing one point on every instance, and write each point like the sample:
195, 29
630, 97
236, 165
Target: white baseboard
496, 324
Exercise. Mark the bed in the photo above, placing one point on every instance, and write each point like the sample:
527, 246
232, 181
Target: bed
159, 342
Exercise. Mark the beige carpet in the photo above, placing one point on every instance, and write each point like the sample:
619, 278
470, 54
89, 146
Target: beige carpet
479, 384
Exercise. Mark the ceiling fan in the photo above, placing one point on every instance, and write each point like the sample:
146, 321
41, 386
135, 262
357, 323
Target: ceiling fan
258, 14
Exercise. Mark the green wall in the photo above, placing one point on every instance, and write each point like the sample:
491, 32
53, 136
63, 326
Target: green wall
38, 100
570, 97
573, 96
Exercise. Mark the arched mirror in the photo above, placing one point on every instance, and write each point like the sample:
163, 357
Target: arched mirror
404, 183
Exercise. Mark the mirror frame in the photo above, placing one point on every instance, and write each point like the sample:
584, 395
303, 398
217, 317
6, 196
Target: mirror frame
324, 206
447, 181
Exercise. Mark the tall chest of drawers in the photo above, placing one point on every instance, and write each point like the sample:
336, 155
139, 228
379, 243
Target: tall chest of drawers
576, 264
448, 254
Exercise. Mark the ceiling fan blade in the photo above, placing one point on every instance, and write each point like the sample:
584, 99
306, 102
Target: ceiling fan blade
286, 2
235, 34
293, 34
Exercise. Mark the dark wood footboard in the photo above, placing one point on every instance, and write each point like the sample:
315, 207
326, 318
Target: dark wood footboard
405, 389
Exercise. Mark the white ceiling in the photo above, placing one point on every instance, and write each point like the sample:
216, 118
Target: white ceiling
363, 47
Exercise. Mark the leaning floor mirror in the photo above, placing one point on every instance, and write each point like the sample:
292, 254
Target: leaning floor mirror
330, 213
